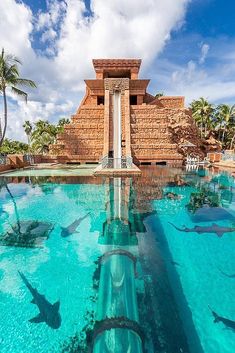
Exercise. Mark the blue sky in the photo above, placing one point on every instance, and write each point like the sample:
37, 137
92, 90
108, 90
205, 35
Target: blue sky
187, 48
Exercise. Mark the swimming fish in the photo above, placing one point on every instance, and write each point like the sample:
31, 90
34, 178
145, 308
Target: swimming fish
48, 313
227, 322
72, 228
214, 228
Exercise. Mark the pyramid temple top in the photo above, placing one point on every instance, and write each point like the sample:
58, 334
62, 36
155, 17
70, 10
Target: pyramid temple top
126, 68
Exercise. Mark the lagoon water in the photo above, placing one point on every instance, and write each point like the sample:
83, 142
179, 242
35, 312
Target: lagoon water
181, 276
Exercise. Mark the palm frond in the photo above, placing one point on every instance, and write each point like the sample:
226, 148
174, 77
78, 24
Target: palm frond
25, 82
19, 92
11, 71
9, 58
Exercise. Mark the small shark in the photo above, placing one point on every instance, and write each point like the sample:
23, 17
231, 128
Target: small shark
226, 274
72, 228
175, 263
214, 228
228, 323
48, 313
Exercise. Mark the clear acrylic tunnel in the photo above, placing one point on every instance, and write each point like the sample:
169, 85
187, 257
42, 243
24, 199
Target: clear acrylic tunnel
118, 329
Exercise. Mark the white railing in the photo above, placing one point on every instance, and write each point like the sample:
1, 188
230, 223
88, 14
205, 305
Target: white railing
192, 160
228, 156
123, 162
28, 158
3, 159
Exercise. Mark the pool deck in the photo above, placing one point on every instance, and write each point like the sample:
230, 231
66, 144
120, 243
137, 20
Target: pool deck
58, 169
226, 165
51, 169
134, 170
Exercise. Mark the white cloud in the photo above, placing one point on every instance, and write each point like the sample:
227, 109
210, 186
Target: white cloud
15, 27
193, 82
34, 111
48, 35
189, 74
117, 28
55, 10
204, 51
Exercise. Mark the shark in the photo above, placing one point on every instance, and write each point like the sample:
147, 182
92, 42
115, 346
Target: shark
227, 322
48, 313
175, 263
72, 228
226, 274
214, 228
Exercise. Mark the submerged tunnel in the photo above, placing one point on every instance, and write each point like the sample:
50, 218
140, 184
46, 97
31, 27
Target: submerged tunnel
117, 327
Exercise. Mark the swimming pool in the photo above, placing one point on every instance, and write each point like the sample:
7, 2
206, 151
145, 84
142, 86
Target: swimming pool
114, 253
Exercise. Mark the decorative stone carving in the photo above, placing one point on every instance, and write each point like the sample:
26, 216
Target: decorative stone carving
116, 84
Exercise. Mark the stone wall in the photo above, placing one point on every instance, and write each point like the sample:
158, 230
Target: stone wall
82, 139
151, 138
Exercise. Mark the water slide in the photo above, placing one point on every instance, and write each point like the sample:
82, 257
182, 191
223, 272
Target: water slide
117, 129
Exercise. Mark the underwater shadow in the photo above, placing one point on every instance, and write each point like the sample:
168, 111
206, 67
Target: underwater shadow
158, 245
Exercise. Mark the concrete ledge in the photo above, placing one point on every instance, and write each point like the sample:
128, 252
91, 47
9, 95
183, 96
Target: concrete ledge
224, 164
134, 170
4, 168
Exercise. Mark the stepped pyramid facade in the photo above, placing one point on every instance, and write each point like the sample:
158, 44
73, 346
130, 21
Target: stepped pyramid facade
152, 129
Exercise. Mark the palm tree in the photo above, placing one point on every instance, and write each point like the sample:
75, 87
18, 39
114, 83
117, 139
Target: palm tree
159, 94
43, 135
9, 77
41, 143
231, 132
202, 112
62, 122
226, 116
28, 128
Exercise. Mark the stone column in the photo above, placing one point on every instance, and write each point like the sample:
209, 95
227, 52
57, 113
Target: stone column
127, 122
106, 122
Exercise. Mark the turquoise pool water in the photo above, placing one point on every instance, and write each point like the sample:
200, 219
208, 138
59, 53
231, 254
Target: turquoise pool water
61, 268
203, 273
55, 230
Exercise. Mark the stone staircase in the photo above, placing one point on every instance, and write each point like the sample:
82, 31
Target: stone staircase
151, 139
82, 139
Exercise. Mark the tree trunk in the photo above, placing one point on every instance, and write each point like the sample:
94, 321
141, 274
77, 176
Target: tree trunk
5, 115
0, 129
232, 141
201, 127
223, 137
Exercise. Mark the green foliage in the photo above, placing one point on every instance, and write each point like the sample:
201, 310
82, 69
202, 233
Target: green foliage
219, 120
14, 147
81, 341
205, 197
159, 94
10, 78
202, 113
44, 134
40, 136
